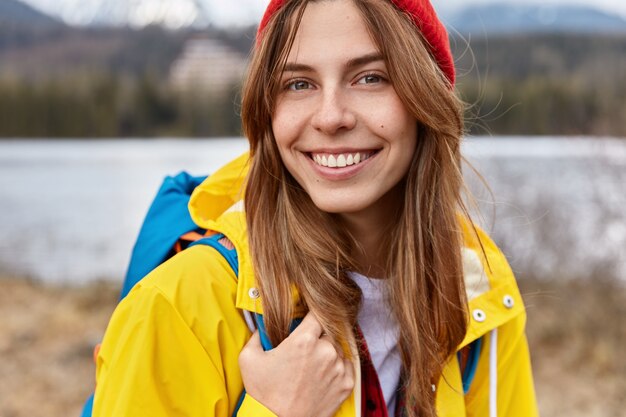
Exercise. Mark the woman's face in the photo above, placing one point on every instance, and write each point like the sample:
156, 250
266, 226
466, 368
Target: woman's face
340, 127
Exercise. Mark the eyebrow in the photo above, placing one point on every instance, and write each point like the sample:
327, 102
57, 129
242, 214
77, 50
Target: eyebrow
365, 59
352, 63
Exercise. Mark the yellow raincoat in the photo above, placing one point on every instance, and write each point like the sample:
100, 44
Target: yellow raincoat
172, 346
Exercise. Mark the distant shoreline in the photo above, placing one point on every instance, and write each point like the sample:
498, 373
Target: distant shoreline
97, 193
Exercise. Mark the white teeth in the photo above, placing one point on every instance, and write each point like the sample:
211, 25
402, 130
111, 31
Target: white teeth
341, 160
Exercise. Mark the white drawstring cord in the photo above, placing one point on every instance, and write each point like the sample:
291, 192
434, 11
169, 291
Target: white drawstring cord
249, 320
493, 374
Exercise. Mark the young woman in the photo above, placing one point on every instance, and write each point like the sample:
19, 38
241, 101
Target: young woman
352, 219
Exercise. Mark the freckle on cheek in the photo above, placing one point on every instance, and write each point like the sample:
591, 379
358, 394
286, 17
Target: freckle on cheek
382, 126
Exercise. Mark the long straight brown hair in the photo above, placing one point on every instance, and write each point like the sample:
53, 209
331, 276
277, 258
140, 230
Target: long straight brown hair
296, 245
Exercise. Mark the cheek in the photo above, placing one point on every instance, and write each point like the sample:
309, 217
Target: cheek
388, 114
286, 135
285, 125
281, 130
396, 124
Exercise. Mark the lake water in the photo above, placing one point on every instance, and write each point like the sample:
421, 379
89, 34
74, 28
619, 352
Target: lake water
70, 210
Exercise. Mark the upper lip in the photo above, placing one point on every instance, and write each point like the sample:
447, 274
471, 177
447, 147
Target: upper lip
341, 150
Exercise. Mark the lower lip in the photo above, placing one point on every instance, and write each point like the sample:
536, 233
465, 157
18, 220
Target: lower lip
338, 174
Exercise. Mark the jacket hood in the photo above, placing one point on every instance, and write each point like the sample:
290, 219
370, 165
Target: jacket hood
494, 299
219, 191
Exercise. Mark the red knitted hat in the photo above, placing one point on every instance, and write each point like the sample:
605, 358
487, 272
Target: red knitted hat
424, 17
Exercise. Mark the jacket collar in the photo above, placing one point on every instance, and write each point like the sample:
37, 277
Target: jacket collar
493, 296
492, 292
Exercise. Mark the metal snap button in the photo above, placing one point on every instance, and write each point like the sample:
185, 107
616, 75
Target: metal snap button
253, 293
479, 315
508, 301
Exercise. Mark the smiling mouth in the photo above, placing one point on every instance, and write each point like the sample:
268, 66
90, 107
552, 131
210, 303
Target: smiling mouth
340, 160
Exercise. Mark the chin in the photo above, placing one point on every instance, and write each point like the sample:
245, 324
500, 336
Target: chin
338, 207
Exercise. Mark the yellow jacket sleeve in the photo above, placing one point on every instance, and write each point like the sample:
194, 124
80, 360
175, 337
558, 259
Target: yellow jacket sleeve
172, 346
515, 388
251, 407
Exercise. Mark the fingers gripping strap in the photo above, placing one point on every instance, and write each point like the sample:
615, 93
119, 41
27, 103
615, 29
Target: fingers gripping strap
267, 345
265, 340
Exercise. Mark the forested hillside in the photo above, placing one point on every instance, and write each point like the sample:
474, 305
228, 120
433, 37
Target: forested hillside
545, 83
63, 81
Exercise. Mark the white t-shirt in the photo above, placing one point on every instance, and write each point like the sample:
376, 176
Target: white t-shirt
381, 332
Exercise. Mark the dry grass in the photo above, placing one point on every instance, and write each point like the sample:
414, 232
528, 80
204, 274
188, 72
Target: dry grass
47, 335
576, 331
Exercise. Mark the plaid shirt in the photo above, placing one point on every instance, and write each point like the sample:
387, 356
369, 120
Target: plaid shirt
372, 399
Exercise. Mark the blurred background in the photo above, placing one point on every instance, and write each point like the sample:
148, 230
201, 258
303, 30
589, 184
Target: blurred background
99, 100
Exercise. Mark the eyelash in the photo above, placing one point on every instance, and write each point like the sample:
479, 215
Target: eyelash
290, 85
372, 74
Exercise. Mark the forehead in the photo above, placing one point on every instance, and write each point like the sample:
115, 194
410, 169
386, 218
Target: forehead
331, 30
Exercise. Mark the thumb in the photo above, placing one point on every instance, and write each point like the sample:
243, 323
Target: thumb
249, 353
309, 324
255, 342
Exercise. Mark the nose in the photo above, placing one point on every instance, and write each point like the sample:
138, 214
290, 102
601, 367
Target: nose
333, 113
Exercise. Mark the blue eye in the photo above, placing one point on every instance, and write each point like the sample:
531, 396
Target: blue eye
299, 85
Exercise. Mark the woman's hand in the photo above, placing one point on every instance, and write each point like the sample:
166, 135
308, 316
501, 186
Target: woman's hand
304, 376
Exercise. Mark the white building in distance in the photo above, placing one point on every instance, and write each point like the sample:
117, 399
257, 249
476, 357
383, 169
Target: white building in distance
207, 65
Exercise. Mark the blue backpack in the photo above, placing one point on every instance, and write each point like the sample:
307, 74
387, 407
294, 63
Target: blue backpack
169, 229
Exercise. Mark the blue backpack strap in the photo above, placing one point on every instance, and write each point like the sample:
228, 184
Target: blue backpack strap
260, 325
88, 407
231, 257
229, 254
168, 218
471, 364
265, 340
